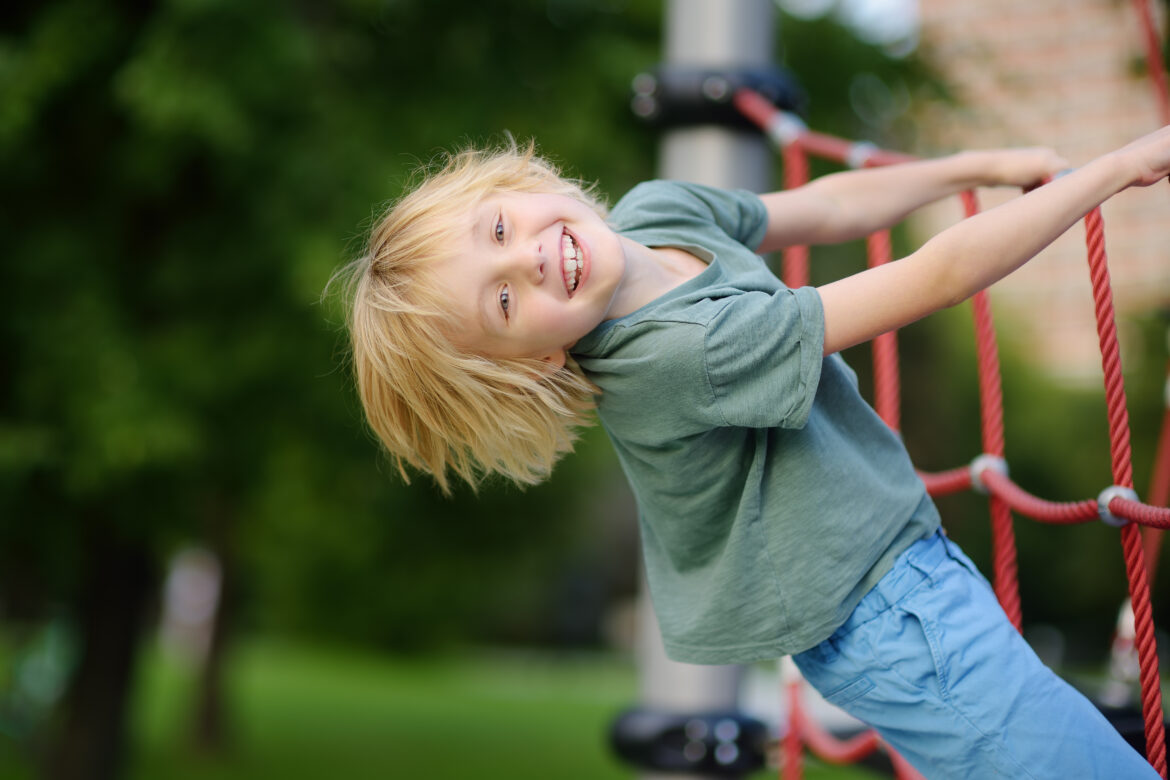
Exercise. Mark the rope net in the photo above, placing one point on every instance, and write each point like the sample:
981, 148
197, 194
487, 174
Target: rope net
987, 473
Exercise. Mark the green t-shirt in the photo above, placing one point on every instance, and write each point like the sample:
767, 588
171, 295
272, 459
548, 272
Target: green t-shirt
771, 496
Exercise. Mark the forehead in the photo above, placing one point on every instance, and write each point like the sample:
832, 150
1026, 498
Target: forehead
451, 230
457, 276
526, 199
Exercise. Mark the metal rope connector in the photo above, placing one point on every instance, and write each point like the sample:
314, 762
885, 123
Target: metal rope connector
860, 154
784, 128
1107, 495
982, 463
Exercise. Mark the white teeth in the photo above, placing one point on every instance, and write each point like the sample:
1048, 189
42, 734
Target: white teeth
574, 261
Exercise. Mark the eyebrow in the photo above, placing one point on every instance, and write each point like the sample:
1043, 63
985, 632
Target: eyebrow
487, 321
485, 314
477, 227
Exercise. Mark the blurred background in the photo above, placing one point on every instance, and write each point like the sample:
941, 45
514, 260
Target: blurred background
206, 567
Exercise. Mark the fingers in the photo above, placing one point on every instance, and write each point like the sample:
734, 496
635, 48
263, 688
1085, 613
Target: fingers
1029, 167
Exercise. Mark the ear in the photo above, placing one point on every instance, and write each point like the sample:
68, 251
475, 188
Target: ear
556, 359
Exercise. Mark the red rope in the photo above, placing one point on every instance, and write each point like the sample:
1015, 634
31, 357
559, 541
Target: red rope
1005, 496
887, 394
785, 128
1135, 565
944, 483
1155, 518
791, 764
804, 731
1119, 449
794, 264
902, 768
789, 132
1134, 546
1154, 64
1159, 494
1147, 647
1003, 537
1160, 479
1053, 512
828, 747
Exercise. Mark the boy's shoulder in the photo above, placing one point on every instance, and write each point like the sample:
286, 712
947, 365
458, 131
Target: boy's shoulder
653, 196
670, 205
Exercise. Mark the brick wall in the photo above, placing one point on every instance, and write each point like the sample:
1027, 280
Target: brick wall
1068, 74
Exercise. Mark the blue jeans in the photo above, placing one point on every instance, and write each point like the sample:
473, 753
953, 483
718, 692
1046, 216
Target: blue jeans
929, 659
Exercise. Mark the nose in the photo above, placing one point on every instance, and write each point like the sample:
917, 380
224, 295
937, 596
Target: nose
528, 261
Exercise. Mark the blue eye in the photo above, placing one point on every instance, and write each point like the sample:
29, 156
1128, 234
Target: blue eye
500, 230
505, 301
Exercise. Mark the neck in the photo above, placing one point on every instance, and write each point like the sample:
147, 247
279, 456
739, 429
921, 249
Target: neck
650, 273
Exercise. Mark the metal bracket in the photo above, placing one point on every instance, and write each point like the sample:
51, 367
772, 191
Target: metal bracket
675, 95
982, 463
1107, 495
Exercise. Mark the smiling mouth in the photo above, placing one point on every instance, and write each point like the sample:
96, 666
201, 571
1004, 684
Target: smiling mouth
573, 260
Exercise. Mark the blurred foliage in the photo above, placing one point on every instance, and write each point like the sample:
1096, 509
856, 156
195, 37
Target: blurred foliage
182, 180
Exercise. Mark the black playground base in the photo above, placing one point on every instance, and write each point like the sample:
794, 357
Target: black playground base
731, 744
1129, 723
719, 744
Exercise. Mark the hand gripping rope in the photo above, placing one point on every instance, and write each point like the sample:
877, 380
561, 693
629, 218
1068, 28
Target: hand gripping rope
1117, 505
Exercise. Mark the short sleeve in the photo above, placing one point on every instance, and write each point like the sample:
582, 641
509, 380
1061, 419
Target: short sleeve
763, 355
687, 207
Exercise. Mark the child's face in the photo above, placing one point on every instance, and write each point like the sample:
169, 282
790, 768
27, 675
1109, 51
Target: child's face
533, 273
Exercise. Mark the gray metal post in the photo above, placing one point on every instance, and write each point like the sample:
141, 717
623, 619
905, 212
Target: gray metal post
718, 33
708, 33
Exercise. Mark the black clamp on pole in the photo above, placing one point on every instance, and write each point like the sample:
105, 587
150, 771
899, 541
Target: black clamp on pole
674, 95
719, 744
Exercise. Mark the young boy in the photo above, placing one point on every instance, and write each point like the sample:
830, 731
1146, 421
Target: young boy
499, 303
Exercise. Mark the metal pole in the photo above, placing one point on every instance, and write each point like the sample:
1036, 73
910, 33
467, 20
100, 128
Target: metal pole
705, 33
718, 33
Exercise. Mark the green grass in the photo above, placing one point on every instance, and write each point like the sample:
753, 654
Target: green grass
305, 713
315, 713
301, 712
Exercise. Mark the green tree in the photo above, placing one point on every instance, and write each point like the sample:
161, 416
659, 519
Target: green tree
181, 178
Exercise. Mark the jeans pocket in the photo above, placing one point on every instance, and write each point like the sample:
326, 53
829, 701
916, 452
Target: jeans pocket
846, 694
838, 679
916, 655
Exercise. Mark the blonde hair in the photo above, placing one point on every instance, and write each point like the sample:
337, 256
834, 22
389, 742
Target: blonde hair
434, 406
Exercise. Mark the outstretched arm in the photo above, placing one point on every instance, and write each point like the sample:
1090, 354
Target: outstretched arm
980, 250
852, 204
